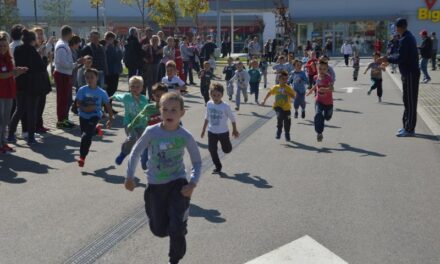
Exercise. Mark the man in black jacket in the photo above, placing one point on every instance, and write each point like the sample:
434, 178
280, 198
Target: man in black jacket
426, 53
97, 51
408, 60
133, 53
208, 50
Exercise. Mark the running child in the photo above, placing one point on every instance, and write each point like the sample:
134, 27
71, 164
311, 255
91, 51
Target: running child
323, 89
283, 96
242, 77
331, 71
263, 69
168, 194
356, 65
205, 76
376, 76
255, 79
311, 68
216, 119
89, 100
149, 116
174, 83
298, 80
133, 102
229, 71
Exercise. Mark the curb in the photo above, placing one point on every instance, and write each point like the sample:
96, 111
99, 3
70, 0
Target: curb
423, 114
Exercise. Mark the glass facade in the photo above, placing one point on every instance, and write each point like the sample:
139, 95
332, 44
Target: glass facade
331, 35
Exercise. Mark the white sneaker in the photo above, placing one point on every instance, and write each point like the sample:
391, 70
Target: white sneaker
25, 135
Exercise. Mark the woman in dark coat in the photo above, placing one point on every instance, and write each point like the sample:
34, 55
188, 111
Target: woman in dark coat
30, 86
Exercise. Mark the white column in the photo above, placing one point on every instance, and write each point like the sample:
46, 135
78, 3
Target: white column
232, 32
219, 31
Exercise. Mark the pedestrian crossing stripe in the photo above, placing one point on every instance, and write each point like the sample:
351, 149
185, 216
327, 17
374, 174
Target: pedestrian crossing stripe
304, 250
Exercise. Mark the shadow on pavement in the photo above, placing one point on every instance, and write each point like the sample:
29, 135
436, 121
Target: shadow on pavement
211, 215
311, 123
110, 178
53, 147
193, 102
191, 96
391, 104
255, 114
344, 147
347, 111
246, 178
429, 137
11, 165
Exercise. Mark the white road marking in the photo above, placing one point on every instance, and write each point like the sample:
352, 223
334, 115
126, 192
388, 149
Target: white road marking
304, 250
350, 89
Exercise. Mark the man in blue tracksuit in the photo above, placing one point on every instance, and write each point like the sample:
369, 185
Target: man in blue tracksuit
408, 60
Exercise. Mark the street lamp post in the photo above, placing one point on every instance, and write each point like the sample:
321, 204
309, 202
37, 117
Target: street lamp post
35, 12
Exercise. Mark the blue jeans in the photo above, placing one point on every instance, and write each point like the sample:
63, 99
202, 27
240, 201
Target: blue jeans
424, 68
255, 89
323, 112
187, 68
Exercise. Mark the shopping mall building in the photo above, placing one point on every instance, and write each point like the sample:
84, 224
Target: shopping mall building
360, 20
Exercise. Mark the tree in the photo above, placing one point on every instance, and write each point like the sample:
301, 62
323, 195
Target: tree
140, 5
193, 8
57, 11
96, 4
8, 14
164, 12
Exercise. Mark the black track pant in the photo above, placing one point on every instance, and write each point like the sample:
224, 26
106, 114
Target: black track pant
167, 210
410, 85
225, 142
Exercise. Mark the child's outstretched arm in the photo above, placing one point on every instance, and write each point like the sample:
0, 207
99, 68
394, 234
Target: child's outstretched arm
109, 109
366, 70
234, 130
265, 98
311, 90
196, 161
205, 125
135, 155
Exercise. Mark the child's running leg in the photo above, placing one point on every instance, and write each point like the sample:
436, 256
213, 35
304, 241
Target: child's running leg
257, 91
213, 140
230, 89
328, 112
245, 94
132, 137
156, 200
178, 209
379, 89
88, 130
237, 99
287, 124
319, 120
303, 105
265, 79
373, 86
279, 111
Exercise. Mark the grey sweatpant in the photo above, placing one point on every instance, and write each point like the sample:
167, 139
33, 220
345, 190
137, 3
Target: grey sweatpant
5, 117
132, 137
238, 95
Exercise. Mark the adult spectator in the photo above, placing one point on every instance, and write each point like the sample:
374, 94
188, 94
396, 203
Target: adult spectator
434, 50
408, 60
133, 53
97, 51
346, 50
426, 54
208, 50
328, 47
268, 50
152, 57
224, 48
254, 48
16, 37
44, 51
393, 48
114, 65
64, 66
161, 36
187, 53
274, 49
30, 86
168, 54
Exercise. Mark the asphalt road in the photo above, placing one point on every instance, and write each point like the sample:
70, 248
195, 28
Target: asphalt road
364, 194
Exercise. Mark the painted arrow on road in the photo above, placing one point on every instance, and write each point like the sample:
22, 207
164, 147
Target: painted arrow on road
304, 250
349, 89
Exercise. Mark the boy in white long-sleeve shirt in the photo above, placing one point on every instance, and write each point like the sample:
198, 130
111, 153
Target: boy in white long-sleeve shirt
242, 77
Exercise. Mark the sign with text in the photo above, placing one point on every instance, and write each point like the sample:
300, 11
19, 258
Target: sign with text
427, 13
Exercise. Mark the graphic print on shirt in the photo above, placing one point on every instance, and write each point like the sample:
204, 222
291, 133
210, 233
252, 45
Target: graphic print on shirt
215, 116
281, 96
167, 156
88, 100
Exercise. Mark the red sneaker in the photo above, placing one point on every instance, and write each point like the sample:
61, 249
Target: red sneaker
6, 148
81, 162
99, 130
